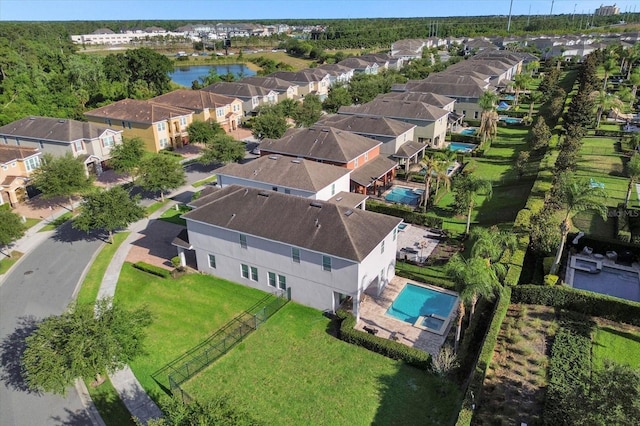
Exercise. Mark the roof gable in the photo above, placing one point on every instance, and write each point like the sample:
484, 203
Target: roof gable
53, 129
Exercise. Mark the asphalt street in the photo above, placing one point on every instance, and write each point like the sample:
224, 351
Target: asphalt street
42, 284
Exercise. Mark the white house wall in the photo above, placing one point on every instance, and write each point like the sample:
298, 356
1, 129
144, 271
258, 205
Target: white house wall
310, 285
340, 185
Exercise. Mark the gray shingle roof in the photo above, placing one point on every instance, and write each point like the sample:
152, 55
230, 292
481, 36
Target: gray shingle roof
409, 149
53, 129
434, 99
320, 143
395, 108
286, 171
366, 174
314, 225
137, 111
374, 126
451, 85
271, 83
237, 89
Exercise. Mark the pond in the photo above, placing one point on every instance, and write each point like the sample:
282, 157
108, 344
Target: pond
184, 76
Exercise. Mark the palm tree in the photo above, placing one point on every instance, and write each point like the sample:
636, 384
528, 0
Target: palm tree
604, 101
429, 164
489, 117
441, 174
577, 195
473, 280
467, 187
608, 65
532, 67
633, 171
520, 82
634, 80
490, 244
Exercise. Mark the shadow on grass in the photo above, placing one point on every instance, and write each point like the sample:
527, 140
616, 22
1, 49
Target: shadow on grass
622, 334
11, 351
65, 233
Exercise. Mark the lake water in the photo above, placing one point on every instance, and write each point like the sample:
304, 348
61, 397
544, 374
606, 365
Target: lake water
184, 76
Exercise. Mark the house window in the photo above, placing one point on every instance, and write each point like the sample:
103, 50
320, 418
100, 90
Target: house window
382, 274
164, 142
212, 261
287, 191
274, 188
243, 241
382, 247
295, 254
183, 121
108, 121
17, 142
395, 233
475, 114
107, 142
40, 143
6, 142
124, 124
282, 282
272, 279
326, 263
355, 163
254, 273
5, 167
31, 163
161, 126
77, 146
333, 189
245, 270
219, 112
129, 124
366, 156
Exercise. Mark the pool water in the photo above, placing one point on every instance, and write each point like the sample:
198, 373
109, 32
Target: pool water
464, 147
415, 301
469, 131
432, 323
511, 120
400, 194
402, 226
611, 281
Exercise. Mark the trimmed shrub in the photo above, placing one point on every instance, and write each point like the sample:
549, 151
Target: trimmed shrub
406, 213
513, 275
550, 279
484, 359
523, 220
624, 236
547, 263
388, 348
152, 269
584, 302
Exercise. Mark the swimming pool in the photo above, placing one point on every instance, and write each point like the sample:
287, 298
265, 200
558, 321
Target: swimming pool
612, 280
469, 131
511, 120
423, 307
403, 195
463, 147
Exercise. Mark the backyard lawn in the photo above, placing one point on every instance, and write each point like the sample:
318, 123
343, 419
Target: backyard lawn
292, 371
185, 312
616, 342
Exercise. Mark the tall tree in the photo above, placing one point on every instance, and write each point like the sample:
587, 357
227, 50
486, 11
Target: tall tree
11, 228
490, 244
520, 83
633, 172
268, 125
222, 149
61, 177
309, 111
577, 195
203, 131
160, 173
86, 341
540, 134
338, 96
473, 280
521, 163
609, 66
429, 164
604, 101
126, 157
140, 66
467, 187
489, 116
108, 210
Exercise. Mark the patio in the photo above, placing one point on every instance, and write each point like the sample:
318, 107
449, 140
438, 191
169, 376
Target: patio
416, 243
373, 315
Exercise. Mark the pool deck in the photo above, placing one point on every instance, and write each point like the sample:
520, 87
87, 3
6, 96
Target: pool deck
373, 314
600, 261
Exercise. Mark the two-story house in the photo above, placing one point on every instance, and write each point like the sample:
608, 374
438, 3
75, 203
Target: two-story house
371, 171
56, 136
360, 65
206, 106
251, 96
431, 122
285, 89
16, 165
319, 252
160, 126
308, 82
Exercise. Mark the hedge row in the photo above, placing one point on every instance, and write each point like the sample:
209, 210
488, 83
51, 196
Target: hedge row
611, 133
569, 369
388, 348
484, 359
152, 269
406, 213
584, 302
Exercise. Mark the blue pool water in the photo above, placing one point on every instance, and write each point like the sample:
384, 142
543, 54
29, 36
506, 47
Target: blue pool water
415, 301
470, 131
511, 120
400, 194
465, 147
402, 226
612, 281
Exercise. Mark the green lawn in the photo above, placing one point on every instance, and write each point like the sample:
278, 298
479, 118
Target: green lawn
156, 206
185, 310
56, 222
31, 222
202, 182
623, 347
291, 371
7, 262
91, 284
109, 405
173, 216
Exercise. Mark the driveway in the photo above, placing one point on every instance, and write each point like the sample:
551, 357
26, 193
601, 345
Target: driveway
42, 284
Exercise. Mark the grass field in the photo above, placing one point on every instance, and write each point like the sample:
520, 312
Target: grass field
7, 262
52, 225
173, 216
615, 344
292, 371
185, 310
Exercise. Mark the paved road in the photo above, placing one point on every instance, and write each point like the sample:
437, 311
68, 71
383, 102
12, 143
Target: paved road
41, 285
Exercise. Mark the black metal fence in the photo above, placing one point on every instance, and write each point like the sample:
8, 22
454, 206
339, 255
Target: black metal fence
219, 343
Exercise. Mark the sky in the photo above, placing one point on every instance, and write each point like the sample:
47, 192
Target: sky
214, 10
